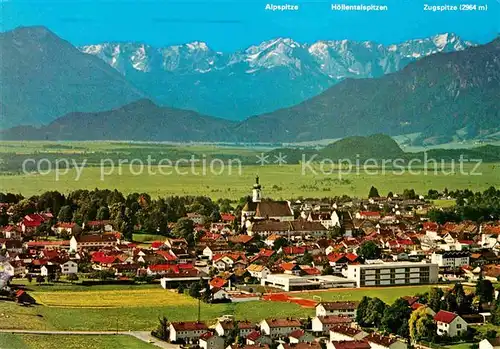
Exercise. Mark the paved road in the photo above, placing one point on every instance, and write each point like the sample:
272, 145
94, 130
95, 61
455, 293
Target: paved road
144, 336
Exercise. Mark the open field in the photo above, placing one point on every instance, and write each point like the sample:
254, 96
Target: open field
139, 309
218, 181
141, 318
30, 341
387, 294
113, 298
285, 181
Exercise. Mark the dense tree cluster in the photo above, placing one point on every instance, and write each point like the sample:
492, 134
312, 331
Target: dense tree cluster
474, 206
127, 213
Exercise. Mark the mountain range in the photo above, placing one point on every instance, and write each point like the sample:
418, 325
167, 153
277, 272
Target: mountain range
239, 84
78, 96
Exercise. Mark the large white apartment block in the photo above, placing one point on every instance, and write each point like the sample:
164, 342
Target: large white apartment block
451, 259
393, 273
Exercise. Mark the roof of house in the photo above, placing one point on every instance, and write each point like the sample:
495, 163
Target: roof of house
206, 335
96, 238
334, 320
254, 335
303, 345
359, 344
339, 305
345, 330
445, 316
380, 340
189, 326
227, 217
369, 213
297, 334
256, 268
218, 282
267, 208
287, 322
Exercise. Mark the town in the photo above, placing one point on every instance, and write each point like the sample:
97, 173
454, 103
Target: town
258, 250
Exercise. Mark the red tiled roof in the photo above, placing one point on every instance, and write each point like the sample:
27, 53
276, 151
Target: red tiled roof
167, 255
381, 340
369, 213
350, 345
346, 330
189, 326
254, 335
290, 250
218, 282
283, 323
206, 335
297, 334
334, 320
227, 217
445, 316
156, 244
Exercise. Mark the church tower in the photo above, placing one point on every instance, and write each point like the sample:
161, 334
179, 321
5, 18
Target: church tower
256, 192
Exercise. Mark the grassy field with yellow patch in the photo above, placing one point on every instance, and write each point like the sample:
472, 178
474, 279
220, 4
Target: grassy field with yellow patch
113, 298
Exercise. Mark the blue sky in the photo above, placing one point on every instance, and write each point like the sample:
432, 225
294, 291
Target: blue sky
227, 25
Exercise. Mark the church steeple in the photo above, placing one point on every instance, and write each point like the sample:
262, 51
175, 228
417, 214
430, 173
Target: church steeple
256, 192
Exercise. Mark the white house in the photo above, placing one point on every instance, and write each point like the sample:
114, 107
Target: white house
13, 268
258, 271
219, 293
244, 327
69, 267
338, 308
323, 324
92, 241
186, 331
276, 328
490, 343
451, 259
449, 323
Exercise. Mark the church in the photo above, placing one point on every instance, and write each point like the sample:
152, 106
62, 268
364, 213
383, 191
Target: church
259, 209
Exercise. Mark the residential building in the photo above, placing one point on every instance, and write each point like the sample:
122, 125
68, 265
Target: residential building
490, 343
69, 267
186, 331
339, 308
258, 271
244, 327
92, 242
451, 259
323, 324
276, 328
393, 273
449, 323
